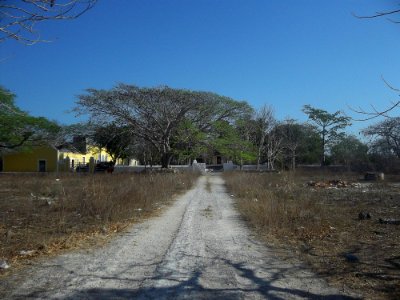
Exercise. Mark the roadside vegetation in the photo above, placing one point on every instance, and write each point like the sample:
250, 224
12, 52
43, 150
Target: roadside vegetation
345, 230
44, 214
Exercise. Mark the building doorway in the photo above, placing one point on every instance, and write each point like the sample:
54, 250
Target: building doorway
42, 165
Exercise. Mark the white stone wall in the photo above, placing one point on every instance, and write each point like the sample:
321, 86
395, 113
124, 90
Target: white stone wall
199, 167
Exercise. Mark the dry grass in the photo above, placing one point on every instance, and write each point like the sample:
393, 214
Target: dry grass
323, 228
208, 185
44, 213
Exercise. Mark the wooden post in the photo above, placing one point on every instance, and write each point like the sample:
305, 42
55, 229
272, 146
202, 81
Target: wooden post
67, 162
91, 165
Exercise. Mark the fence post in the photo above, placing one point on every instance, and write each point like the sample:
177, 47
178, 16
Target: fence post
91, 165
67, 162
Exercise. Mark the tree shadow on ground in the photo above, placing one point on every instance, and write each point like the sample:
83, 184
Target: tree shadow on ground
192, 288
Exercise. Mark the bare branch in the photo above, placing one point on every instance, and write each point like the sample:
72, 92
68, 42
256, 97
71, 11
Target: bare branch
378, 14
390, 86
17, 21
375, 113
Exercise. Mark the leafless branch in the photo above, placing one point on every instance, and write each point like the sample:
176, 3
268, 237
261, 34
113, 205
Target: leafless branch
374, 112
18, 18
390, 86
378, 14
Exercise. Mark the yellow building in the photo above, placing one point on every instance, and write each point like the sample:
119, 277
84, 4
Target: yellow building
36, 159
77, 158
47, 158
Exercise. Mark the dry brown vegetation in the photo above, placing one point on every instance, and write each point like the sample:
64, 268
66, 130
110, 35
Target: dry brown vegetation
322, 225
43, 214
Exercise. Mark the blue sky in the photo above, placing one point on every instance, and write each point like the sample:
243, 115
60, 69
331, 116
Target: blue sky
282, 53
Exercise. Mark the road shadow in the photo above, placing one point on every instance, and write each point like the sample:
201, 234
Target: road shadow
190, 287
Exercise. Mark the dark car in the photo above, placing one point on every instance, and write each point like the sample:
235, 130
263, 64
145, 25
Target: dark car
104, 167
99, 167
82, 168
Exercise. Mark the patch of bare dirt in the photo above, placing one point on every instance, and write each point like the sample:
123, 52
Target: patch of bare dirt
346, 229
44, 214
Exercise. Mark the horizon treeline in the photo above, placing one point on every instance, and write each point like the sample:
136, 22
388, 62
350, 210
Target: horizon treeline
162, 125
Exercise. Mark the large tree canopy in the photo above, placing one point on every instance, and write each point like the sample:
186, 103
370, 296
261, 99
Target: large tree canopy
232, 141
329, 125
349, 150
300, 142
116, 140
156, 114
18, 128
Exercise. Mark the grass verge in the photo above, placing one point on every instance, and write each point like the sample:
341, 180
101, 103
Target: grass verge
45, 213
322, 226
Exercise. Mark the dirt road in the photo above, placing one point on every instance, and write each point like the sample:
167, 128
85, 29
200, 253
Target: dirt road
198, 248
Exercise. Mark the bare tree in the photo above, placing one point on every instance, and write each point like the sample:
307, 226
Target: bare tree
293, 136
18, 18
386, 134
273, 147
264, 123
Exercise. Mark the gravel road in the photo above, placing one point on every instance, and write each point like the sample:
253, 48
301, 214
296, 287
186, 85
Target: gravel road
197, 249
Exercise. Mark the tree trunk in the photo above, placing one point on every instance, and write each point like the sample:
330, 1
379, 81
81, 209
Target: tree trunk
166, 155
293, 160
258, 159
165, 159
323, 148
260, 148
